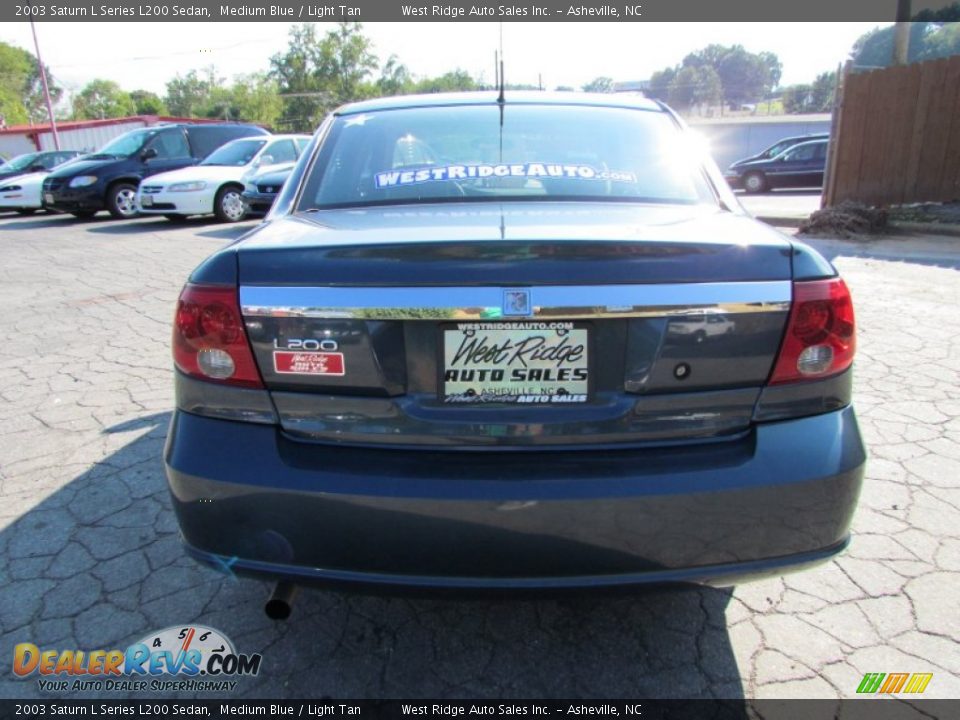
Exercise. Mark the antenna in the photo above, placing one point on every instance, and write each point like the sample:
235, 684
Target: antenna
496, 70
500, 99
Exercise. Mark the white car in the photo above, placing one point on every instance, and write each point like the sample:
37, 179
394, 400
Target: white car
216, 184
23, 193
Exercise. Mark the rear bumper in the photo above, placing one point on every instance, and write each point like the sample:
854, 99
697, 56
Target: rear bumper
251, 500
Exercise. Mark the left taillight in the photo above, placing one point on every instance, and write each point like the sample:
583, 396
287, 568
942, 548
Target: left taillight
209, 338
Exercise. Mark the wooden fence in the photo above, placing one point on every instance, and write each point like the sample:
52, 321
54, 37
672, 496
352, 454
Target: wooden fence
897, 136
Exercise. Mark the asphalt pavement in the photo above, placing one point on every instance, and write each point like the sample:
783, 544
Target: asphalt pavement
90, 558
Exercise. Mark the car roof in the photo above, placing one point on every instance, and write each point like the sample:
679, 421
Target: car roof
511, 97
818, 141
803, 138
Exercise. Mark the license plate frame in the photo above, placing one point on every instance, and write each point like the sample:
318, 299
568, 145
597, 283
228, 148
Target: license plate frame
488, 391
48, 198
146, 201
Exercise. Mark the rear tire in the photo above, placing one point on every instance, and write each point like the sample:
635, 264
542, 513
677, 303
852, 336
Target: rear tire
229, 206
122, 200
755, 182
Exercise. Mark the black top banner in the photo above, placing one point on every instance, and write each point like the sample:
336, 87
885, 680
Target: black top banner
418, 10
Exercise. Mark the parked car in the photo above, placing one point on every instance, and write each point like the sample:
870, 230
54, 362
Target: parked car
215, 185
35, 162
802, 165
262, 189
461, 373
780, 145
108, 179
23, 193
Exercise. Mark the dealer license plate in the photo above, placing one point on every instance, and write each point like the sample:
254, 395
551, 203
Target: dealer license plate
515, 362
48, 198
146, 200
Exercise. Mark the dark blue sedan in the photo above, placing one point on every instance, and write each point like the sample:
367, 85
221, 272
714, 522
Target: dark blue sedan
801, 165
512, 343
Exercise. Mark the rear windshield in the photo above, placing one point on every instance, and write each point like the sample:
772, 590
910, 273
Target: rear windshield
527, 152
236, 153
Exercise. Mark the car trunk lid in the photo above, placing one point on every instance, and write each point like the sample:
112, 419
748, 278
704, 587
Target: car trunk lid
608, 323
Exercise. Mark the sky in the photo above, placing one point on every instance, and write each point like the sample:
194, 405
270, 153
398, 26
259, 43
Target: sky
146, 55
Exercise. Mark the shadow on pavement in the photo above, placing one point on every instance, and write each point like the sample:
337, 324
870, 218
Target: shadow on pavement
98, 565
230, 232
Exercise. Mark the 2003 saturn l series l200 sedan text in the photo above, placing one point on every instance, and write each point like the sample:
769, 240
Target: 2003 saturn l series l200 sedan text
520, 342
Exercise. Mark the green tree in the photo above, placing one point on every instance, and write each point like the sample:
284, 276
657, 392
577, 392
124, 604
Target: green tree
797, 99
660, 84
695, 87
317, 74
21, 90
189, 96
928, 41
255, 98
599, 85
395, 78
815, 97
148, 103
454, 81
744, 76
102, 99
747, 76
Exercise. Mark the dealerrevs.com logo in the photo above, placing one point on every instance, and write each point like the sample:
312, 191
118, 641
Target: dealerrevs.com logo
178, 658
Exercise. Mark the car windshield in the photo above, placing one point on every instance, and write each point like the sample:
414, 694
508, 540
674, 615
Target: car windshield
236, 154
21, 162
774, 150
524, 152
125, 145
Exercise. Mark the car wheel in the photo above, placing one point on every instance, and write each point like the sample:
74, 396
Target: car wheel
26, 211
173, 217
755, 183
122, 200
84, 214
228, 205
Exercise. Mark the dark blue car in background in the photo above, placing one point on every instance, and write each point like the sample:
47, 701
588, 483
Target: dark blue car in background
800, 165
511, 343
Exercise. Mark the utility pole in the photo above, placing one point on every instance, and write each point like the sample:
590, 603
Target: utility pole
901, 33
43, 80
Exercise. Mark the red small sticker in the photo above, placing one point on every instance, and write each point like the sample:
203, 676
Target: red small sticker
308, 363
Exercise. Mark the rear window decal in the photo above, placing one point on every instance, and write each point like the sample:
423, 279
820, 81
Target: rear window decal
442, 173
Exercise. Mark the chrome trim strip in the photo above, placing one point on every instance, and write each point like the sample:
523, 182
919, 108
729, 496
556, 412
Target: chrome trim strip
486, 303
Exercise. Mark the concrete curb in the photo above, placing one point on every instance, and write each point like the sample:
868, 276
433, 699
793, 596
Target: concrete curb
793, 222
948, 229
913, 228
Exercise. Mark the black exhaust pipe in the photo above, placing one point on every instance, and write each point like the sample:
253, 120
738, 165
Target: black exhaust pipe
278, 606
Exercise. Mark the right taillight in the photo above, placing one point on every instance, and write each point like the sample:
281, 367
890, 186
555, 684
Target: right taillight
820, 336
209, 338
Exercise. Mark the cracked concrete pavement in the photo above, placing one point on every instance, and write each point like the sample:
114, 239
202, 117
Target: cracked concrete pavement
89, 555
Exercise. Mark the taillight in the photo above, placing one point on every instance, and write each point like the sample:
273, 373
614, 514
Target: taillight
209, 339
819, 340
